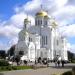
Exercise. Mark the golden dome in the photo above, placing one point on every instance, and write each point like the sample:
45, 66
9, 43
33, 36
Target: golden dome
42, 13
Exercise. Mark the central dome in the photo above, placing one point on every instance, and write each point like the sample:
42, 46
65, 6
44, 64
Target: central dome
41, 13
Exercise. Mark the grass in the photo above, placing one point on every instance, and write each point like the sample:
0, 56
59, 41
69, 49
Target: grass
10, 68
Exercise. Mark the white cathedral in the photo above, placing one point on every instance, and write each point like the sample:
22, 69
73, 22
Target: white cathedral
42, 39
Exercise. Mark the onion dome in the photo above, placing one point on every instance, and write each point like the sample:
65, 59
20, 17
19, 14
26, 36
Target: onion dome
54, 24
42, 14
26, 20
47, 17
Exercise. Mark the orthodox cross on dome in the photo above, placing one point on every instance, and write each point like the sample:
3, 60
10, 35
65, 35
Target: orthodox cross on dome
41, 6
27, 16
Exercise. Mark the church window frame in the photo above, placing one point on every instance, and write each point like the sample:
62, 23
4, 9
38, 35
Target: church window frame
46, 40
36, 22
41, 22
45, 23
30, 39
57, 42
25, 25
42, 41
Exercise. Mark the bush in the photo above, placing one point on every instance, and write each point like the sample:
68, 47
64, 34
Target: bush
67, 73
8, 68
73, 61
4, 63
14, 68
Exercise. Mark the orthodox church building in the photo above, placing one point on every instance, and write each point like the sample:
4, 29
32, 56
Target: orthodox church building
42, 39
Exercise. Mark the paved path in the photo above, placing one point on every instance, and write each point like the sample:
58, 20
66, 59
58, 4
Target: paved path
43, 71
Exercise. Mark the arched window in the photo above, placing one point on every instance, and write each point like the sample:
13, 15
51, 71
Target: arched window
57, 42
45, 22
30, 39
25, 26
41, 22
44, 40
36, 23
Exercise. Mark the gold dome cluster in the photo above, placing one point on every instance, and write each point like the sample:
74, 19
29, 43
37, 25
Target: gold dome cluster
42, 14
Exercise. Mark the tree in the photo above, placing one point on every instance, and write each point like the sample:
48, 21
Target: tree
17, 59
11, 50
71, 56
2, 53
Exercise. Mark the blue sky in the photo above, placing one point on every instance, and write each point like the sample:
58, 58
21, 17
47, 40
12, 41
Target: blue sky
7, 6
13, 12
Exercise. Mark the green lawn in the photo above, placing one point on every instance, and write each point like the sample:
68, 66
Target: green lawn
10, 68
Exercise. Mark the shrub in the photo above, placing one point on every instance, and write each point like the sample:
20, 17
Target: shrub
73, 61
67, 73
14, 68
73, 70
4, 63
22, 67
9, 68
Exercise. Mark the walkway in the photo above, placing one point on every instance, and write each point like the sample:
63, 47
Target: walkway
42, 71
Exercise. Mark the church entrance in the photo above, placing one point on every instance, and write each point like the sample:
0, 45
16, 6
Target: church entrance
31, 52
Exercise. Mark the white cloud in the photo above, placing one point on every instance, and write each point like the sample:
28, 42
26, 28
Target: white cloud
65, 15
71, 47
68, 31
29, 7
61, 3
68, 46
8, 31
13, 41
33, 6
18, 19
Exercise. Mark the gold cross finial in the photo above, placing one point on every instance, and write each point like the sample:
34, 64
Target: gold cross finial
27, 16
41, 7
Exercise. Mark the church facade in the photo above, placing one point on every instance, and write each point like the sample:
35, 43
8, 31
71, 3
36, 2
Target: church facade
42, 39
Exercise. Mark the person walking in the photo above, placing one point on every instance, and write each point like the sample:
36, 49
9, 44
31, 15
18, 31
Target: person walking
62, 61
58, 62
55, 63
59, 59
